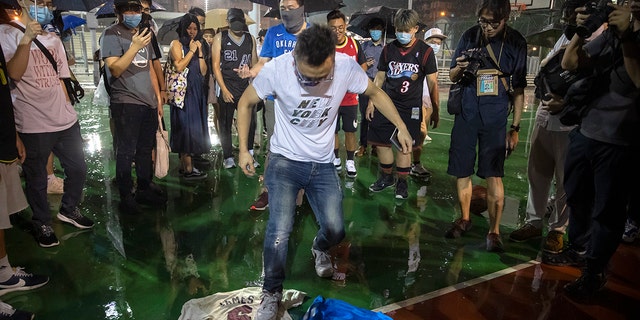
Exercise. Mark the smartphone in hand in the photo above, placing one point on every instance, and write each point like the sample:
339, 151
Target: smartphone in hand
395, 142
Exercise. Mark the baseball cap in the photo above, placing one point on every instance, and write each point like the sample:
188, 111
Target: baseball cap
434, 33
235, 14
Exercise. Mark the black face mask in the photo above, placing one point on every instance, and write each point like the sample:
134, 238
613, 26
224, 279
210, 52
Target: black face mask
569, 31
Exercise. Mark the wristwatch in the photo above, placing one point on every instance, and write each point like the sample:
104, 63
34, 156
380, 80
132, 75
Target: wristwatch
515, 128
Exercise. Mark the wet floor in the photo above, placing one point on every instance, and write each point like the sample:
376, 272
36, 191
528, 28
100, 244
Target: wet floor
206, 241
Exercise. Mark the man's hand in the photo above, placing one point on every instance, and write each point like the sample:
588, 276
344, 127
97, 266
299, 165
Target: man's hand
620, 19
244, 72
404, 137
227, 96
245, 161
512, 141
369, 111
141, 39
552, 103
33, 30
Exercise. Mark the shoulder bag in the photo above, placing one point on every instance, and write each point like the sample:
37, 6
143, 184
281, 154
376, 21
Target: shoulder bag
176, 82
161, 165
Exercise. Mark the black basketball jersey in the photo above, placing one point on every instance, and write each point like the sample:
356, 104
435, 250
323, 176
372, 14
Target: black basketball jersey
233, 55
405, 70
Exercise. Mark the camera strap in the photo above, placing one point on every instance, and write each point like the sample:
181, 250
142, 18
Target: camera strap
497, 62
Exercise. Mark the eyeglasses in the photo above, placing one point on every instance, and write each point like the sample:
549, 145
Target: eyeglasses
494, 24
338, 28
48, 5
311, 82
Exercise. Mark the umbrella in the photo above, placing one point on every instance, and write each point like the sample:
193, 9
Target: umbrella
76, 5
546, 37
359, 21
107, 10
71, 22
309, 6
168, 31
217, 18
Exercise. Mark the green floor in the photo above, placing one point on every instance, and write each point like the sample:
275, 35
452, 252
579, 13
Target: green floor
142, 267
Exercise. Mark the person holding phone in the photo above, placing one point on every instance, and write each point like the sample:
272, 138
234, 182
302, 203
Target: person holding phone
136, 103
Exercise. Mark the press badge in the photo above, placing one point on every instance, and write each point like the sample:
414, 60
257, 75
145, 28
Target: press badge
487, 81
415, 113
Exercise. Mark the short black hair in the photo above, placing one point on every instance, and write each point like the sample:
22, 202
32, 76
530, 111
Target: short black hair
375, 22
315, 44
336, 14
197, 11
500, 8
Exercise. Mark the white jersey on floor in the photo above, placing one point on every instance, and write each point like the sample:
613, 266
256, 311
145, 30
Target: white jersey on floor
306, 116
238, 304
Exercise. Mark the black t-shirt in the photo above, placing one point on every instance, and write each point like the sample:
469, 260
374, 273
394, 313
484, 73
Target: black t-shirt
8, 151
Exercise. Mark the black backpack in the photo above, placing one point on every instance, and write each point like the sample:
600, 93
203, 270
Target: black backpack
553, 79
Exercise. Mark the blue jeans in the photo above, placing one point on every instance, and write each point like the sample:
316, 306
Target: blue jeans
67, 145
135, 127
321, 184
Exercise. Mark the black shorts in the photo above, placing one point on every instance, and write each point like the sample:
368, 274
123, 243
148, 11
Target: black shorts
349, 117
380, 128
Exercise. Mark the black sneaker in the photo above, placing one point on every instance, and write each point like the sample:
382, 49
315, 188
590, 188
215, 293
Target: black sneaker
24, 281
402, 191
383, 182
45, 236
75, 218
585, 287
568, 257
8, 312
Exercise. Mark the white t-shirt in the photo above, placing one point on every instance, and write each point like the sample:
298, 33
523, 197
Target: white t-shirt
40, 103
306, 116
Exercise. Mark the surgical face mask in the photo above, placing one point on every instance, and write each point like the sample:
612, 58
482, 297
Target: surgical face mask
132, 20
435, 47
236, 26
375, 34
293, 20
403, 37
42, 14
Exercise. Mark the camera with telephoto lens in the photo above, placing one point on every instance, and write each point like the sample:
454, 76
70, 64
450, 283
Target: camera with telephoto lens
477, 59
598, 14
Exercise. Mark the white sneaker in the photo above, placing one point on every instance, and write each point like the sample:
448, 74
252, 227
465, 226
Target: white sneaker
229, 163
427, 138
351, 169
324, 268
55, 185
338, 163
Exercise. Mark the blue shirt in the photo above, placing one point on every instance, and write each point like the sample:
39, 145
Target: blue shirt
510, 50
277, 42
372, 50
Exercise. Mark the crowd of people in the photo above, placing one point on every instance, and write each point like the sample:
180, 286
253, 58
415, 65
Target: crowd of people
386, 91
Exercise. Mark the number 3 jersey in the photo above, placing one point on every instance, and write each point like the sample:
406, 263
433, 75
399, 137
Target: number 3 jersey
405, 70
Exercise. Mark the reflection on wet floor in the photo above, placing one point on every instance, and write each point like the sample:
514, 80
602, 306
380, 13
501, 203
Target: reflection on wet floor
206, 241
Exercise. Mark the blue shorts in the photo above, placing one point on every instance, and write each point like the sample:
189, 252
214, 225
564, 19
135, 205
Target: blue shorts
490, 142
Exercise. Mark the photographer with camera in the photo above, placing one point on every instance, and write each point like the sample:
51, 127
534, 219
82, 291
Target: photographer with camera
604, 149
482, 122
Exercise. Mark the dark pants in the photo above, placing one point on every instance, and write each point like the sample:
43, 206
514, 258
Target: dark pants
225, 119
67, 145
135, 127
364, 123
595, 180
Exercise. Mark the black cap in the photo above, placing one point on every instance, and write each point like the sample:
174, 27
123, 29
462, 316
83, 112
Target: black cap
235, 14
118, 3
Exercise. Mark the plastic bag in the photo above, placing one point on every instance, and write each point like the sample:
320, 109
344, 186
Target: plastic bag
100, 96
334, 309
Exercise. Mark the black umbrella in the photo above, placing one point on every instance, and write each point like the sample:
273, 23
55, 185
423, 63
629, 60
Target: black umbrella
309, 6
547, 37
168, 31
107, 10
76, 5
359, 21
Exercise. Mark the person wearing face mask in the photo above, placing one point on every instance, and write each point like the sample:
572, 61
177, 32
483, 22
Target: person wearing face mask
232, 49
301, 158
480, 129
45, 120
404, 65
371, 49
135, 106
433, 37
279, 40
